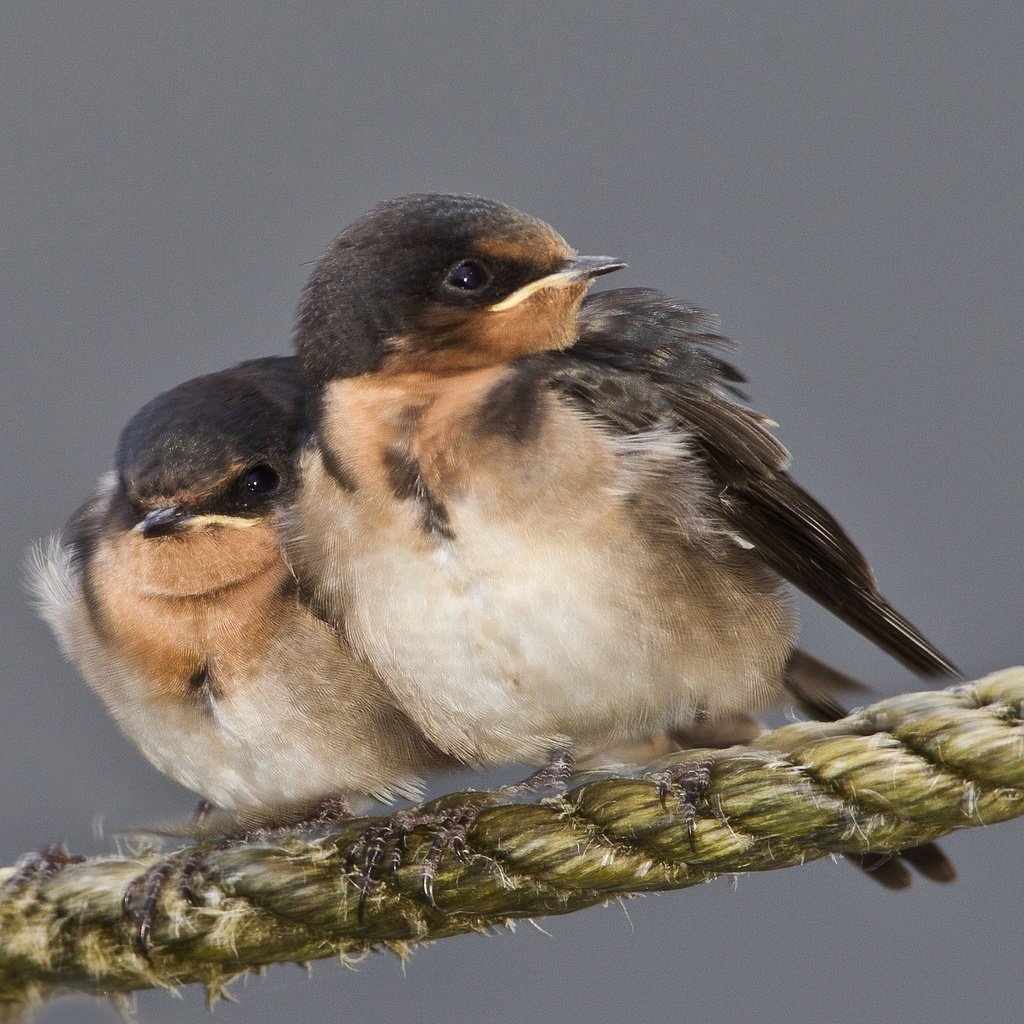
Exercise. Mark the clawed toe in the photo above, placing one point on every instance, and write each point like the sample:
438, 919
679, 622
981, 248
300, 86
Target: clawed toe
379, 851
366, 860
43, 863
451, 835
555, 775
691, 781
141, 899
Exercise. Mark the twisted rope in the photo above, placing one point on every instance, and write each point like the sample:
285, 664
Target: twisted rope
899, 773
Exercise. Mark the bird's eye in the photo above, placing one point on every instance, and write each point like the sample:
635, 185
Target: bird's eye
467, 276
261, 479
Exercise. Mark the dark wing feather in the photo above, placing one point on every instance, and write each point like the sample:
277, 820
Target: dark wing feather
642, 356
805, 544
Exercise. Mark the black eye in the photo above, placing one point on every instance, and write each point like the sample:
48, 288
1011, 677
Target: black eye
467, 276
261, 479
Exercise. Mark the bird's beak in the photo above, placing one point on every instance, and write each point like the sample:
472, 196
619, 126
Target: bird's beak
166, 522
572, 271
162, 522
582, 268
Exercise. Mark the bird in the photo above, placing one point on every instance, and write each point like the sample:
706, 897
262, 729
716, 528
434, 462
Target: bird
548, 519
169, 591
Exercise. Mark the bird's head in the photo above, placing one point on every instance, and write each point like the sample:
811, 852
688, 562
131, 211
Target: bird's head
440, 283
217, 451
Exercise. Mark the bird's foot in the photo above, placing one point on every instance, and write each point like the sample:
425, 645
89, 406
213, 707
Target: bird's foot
555, 775
366, 862
379, 851
141, 900
452, 830
41, 864
690, 781
329, 811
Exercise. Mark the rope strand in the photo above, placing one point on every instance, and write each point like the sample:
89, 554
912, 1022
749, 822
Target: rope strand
896, 774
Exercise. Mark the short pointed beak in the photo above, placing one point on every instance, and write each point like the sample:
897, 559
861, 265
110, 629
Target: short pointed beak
162, 522
570, 272
582, 268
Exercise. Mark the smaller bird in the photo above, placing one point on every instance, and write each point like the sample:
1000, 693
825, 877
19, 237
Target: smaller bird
170, 593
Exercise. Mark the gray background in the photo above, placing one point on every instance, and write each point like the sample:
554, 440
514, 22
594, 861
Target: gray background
841, 183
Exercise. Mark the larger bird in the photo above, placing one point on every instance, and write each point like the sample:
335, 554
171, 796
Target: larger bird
546, 522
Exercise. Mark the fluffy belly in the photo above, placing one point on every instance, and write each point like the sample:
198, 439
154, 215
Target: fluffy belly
255, 752
229, 771
512, 640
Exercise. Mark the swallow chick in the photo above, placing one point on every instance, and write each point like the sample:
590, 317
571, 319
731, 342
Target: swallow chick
170, 593
547, 520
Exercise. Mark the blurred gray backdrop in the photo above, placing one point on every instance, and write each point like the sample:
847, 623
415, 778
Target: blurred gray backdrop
842, 183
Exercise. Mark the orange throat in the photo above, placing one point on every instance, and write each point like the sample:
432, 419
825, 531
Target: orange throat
195, 608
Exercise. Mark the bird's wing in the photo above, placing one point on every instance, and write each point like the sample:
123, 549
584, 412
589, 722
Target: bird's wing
641, 356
